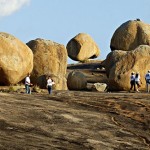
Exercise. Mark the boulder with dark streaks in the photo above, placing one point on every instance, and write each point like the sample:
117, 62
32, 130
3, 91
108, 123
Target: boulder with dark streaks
75, 120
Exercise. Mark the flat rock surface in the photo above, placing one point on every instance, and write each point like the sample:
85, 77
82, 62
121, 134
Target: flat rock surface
75, 121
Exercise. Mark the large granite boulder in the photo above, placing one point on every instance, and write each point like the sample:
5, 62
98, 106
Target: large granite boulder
130, 35
50, 58
82, 47
111, 59
16, 59
137, 60
76, 81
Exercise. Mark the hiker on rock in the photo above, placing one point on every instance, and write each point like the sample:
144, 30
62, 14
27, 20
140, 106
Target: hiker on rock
50, 82
147, 79
132, 81
137, 81
28, 84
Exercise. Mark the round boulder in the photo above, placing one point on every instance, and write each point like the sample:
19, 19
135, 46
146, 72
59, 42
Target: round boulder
76, 81
50, 59
130, 35
82, 47
16, 59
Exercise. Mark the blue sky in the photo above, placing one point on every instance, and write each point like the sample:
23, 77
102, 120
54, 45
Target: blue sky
61, 20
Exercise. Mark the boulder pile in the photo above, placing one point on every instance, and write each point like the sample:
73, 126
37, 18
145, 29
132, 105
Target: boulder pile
130, 47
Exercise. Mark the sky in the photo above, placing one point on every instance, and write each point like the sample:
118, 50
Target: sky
61, 20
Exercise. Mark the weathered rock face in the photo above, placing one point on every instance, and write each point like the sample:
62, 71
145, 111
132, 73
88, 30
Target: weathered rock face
16, 59
111, 59
76, 81
136, 60
130, 35
75, 120
50, 58
82, 47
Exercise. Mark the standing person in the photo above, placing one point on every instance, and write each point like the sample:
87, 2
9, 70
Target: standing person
147, 79
50, 82
137, 81
132, 81
27, 84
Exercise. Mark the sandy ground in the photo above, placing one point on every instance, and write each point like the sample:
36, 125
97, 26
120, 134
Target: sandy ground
73, 120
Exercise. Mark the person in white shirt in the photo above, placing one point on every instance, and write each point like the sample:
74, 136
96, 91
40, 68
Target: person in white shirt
138, 81
27, 84
147, 79
50, 82
132, 81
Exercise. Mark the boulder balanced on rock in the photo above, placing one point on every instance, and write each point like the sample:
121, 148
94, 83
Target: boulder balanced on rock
82, 47
50, 58
130, 35
16, 59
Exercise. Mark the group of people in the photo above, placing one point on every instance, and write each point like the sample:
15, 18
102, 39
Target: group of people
28, 84
135, 81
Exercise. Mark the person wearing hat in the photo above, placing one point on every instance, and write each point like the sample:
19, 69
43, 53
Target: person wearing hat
132, 81
147, 79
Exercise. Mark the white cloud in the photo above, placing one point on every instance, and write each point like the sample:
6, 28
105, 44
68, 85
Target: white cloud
7, 7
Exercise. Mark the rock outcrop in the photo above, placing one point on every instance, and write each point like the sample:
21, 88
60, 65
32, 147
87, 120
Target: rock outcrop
76, 81
82, 47
75, 120
50, 58
130, 35
16, 59
119, 73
